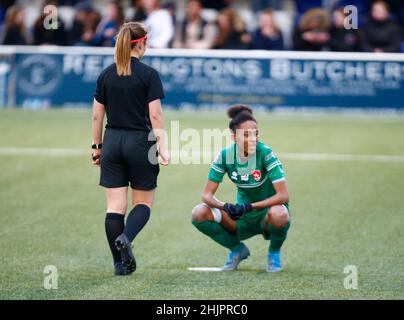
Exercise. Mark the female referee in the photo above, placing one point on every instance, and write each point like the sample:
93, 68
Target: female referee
262, 196
129, 92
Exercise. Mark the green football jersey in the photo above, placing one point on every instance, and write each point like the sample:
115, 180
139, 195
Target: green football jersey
254, 178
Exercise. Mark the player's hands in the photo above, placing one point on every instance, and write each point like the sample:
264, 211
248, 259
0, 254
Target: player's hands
230, 209
95, 157
237, 211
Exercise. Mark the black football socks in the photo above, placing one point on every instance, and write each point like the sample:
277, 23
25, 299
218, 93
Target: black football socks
114, 226
136, 220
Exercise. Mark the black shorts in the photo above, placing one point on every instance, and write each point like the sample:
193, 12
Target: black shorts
128, 156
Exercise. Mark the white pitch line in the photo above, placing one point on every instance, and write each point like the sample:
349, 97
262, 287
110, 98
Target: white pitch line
176, 155
53, 152
205, 269
303, 156
341, 157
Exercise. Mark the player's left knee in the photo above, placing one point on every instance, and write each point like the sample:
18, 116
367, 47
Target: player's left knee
278, 216
201, 213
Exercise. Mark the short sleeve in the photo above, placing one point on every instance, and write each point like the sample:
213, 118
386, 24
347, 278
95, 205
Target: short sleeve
217, 169
155, 87
99, 94
273, 167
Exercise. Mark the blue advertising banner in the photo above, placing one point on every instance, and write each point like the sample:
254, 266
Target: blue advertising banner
45, 80
281, 81
199, 79
5, 70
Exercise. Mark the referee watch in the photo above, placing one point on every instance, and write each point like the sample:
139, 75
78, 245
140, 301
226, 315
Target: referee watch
96, 146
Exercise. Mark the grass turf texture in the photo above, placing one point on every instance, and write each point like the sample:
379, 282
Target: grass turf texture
344, 213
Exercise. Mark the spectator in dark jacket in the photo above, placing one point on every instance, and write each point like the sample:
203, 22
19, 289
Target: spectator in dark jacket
45, 35
302, 6
194, 32
312, 33
343, 39
139, 14
216, 4
232, 32
85, 21
4, 5
362, 8
381, 34
267, 36
109, 26
14, 28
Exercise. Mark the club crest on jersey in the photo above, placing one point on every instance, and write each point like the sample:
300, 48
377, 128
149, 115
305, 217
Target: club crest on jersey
256, 175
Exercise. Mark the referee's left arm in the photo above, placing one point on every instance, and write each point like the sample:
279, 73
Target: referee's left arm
98, 120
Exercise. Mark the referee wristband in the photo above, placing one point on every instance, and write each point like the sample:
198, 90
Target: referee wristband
96, 146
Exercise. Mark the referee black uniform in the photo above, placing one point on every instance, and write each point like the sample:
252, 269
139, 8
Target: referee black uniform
129, 152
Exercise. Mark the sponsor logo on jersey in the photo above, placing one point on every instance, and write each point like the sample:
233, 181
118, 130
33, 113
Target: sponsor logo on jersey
234, 175
256, 175
244, 177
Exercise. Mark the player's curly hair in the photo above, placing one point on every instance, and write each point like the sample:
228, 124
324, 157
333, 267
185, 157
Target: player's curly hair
239, 114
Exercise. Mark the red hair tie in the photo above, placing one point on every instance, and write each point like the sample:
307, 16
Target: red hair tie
140, 39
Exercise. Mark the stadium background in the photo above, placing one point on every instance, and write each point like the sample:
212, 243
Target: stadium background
344, 169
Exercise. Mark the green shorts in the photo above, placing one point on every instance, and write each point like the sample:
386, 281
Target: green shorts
252, 224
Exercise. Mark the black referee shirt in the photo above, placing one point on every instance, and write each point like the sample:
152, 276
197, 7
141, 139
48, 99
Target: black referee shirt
126, 98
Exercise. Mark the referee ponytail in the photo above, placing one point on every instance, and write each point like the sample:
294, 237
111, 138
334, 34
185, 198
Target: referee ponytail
127, 39
239, 114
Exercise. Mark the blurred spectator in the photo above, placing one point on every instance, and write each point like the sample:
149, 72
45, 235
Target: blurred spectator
343, 39
140, 14
68, 2
44, 35
232, 32
260, 5
397, 14
312, 32
362, 7
194, 32
381, 34
109, 26
267, 36
4, 5
170, 7
159, 23
84, 24
14, 28
396, 9
302, 6
216, 4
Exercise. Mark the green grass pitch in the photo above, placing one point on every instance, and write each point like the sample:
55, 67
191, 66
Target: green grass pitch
343, 213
